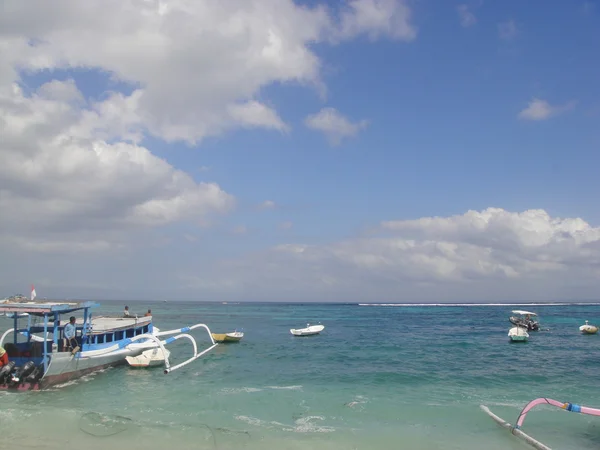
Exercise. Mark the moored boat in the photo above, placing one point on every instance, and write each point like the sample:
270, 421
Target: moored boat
588, 329
310, 330
41, 356
235, 336
525, 319
518, 334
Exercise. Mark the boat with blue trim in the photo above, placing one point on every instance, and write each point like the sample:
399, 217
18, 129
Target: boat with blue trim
41, 356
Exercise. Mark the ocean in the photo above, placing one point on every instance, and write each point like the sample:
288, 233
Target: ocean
378, 377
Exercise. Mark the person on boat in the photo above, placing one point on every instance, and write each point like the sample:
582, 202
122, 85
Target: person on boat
69, 333
3, 357
126, 312
149, 313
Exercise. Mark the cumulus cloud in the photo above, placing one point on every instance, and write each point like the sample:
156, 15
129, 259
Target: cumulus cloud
377, 18
466, 16
59, 179
334, 125
196, 67
539, 109
489, 254
77, 172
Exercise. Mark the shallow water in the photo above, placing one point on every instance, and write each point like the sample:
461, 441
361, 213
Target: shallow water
376, 378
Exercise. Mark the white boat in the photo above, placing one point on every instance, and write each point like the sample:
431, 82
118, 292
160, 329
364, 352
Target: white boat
518, 334
588, 329
149, 358
308, 331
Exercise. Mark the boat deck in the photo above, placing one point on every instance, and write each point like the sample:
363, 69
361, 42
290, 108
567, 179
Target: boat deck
105, 324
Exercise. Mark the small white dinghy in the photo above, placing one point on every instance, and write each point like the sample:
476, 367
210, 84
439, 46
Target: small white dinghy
149, 358
518, 334
588, 329
308, 331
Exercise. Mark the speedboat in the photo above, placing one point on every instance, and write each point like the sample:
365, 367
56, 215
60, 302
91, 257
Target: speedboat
588, 329
235, 336
518, 334
308, 331
40, 356
525, 319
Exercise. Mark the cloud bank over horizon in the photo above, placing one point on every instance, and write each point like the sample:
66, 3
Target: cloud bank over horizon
249, 150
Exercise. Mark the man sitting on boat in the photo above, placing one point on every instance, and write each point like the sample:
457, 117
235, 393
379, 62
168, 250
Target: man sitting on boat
126, 312
3, 357
69, 334
149, 313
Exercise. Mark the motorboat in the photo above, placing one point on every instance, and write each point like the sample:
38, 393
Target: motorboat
588, 329
235, 336
310, 330
40, 356
149, 358
518, 334
525, 319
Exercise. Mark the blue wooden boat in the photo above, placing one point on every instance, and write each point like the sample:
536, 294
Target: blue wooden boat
40, 356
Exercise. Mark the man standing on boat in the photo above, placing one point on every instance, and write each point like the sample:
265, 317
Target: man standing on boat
3, 357
69, 333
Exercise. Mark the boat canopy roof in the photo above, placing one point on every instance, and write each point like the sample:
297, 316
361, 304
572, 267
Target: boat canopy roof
519, 311
49, 307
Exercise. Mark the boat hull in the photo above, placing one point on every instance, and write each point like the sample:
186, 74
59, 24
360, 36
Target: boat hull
149, 358
309, 331
518, 334
65, 367
227, 337
588, 329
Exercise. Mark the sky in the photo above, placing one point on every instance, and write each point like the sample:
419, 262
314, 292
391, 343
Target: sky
317, 150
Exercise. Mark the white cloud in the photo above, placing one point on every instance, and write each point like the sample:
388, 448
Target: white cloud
481, 255
197, 67
61, 181
74, 172
377, 18
466, 17
255, 114
334, 125
508, 30
538, 109
268, 204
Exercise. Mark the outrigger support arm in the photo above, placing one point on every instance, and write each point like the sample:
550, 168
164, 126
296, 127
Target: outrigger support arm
196, 354
516, 430
185, 330
154, 337
6, 333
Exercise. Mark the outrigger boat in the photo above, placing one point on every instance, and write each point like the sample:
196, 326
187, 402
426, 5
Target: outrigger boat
516, 429
38, 362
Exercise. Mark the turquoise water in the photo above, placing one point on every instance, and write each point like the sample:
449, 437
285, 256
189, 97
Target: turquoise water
376, 378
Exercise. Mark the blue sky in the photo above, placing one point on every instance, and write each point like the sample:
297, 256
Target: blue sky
446, 130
